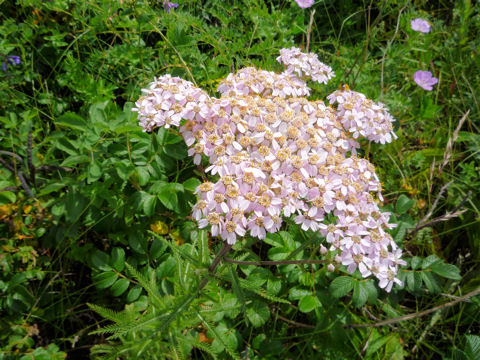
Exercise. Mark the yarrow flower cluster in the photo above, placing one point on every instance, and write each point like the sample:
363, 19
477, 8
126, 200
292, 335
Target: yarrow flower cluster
278, 155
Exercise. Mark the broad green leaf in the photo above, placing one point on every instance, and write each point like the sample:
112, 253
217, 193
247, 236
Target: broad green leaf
448, 271
105, 279
137, 242
76, 160
7, 197
191, 184
143, 175
308, 303
360, 293
341, 286
101, 260
118, 258
72, 121
430, 282
120, 286
258, 313
415, 262
372, 291
149, 202
297, 293
157, 249
134, 293
168, 198
403, 204
429, 261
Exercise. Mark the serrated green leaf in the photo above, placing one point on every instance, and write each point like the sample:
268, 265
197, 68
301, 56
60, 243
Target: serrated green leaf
376, 344
415, 262
429, 261
472, 347
143, 175
371, 291
296, 293
149, 202
430, 282
341, 286
360, 293
448, 271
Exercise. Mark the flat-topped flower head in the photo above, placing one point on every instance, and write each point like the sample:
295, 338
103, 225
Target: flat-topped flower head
420, 25
425, 79
280, 156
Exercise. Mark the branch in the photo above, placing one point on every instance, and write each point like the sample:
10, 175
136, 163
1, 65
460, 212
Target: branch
418, 314
449, 215
7, 165
220, 255
53, 167
12, 154
24, 184
297, 324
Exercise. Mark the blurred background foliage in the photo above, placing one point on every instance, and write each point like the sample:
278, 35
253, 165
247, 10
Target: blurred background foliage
93, 211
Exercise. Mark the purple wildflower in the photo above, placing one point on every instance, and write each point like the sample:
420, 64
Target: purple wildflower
167, 5
12, 59
305, 3
425, 79
420, 25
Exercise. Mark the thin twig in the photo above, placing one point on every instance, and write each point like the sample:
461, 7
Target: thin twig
53, 167
451, 141
280, 262
24, 184
435, 203
220, 255
9, 188
297, 324
31, 168
309, 30
417, 314
12, 154
7, 165
450, 215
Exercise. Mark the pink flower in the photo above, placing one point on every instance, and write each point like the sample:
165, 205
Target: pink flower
425, 79
305, 3
420, 25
